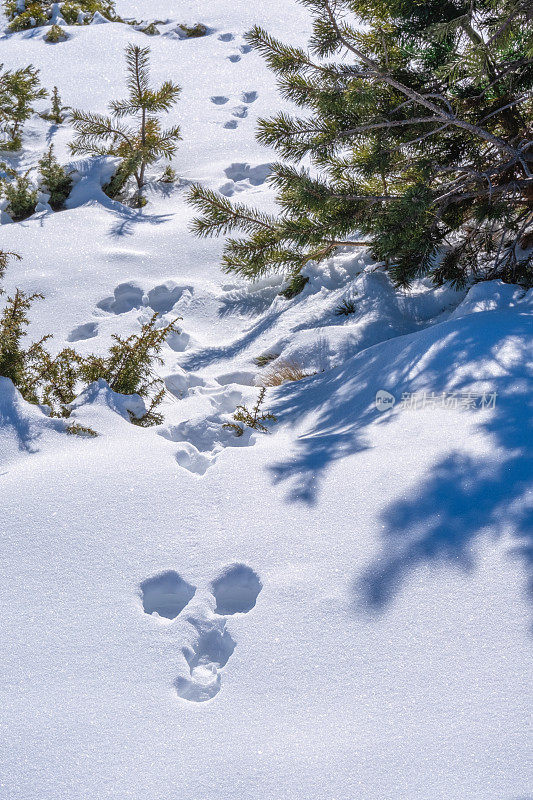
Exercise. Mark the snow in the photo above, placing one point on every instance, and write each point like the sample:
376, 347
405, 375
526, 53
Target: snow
337, 609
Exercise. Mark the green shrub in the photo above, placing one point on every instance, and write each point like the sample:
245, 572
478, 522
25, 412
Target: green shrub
254, 419
55, 380
21, 196
54, 180
56, 113
262, 361
18, 90
195, 31
56, 34
17, 363
150, 30
75, 429
37, 13
168, 176
34, 16
128, 368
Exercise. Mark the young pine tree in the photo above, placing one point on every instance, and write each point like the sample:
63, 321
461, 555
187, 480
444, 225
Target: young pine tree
18, 90
57, 113
21, 195
20, 364
54, 179
418, 129
128, 368
143, 141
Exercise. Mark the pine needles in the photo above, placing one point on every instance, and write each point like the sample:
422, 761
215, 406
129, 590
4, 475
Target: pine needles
418, 137
137, 144
254, 418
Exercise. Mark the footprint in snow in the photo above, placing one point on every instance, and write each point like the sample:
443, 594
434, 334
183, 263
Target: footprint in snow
127, 296
87, 331
234, 57
242, 176
209, 645
249, 97
240, 111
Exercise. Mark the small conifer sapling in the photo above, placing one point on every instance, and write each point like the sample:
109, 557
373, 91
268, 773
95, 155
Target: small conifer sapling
143, 141
18, 90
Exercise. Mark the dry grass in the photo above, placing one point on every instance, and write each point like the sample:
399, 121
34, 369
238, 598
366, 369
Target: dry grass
282, 371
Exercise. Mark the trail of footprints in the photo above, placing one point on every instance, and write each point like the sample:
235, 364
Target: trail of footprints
201, 440
236, 55
209, 646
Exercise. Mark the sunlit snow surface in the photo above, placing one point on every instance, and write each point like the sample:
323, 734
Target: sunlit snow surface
336, 610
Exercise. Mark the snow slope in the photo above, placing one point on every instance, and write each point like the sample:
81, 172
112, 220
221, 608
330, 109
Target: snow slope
336, 610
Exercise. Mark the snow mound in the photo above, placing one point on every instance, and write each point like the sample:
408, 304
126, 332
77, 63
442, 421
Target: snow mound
23, 426
99, 407
490, 296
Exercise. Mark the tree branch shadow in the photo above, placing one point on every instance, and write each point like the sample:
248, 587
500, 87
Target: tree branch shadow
463, 495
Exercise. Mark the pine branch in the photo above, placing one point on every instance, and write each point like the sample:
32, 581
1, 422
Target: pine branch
378, 74
220, 216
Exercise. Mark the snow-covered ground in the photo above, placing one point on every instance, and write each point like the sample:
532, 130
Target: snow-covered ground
339, 609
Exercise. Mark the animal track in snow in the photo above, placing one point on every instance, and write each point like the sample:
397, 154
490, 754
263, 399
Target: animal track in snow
246, 98
166, 594
249, 97
240, 111
241, 171
87, 331
201, 441
243, 377
234, 57
126, 296
243, 176
210, 652
161, 299
236, 590
226, 37
210, 645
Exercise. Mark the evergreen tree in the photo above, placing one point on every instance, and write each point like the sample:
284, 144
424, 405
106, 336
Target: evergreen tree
57, 110
137, 145
54, 179
18, 90
21, 196
56, 34
128, 368
419, 137
16, 362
